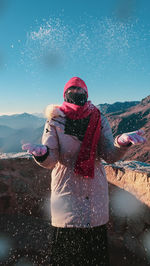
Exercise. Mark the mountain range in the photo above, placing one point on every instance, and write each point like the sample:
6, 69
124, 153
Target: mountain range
122, 116
116, 107
19, 121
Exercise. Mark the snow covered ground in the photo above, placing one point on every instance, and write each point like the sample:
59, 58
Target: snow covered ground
14, 155
131, 165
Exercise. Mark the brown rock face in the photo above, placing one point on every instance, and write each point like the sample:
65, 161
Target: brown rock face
25, 230
137, 117
24, 186
129, 226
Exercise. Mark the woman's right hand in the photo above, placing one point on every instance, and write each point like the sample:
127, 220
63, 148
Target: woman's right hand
35, 149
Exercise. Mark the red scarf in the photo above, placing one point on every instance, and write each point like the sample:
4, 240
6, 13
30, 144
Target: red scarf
86, 158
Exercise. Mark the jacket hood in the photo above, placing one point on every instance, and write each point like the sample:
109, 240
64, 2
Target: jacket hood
52, 111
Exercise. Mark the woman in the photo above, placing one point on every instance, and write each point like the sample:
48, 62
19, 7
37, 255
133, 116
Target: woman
75, 140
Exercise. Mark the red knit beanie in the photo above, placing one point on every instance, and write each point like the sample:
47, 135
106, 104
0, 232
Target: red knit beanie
77, 82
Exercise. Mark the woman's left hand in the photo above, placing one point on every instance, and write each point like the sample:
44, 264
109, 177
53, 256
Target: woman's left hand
134, 137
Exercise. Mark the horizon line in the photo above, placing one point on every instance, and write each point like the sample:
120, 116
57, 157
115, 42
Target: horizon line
19, 113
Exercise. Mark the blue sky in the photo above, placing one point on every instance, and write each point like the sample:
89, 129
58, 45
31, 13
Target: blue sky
44, 43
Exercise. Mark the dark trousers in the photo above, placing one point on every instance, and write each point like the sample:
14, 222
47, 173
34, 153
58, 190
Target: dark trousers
80, 246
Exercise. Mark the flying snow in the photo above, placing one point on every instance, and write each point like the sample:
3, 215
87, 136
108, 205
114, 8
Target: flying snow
53, 43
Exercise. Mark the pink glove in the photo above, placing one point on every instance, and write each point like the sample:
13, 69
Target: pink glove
36, 150
134, 137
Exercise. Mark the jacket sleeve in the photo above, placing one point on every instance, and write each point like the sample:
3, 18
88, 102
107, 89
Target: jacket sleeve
50, 139
108, 148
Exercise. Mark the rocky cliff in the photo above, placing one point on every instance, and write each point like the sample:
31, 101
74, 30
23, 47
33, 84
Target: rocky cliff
25, 231
137, 117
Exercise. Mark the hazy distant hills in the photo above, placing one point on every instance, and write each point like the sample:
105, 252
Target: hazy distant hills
122, 116
14, 141
20, 121
18, 129
6, 131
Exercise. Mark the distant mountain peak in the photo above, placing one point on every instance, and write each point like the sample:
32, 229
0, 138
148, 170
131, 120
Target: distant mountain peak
19, 115
24, 120
25, 114
146, 100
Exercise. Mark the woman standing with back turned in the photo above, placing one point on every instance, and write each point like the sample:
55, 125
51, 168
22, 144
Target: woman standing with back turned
75, 139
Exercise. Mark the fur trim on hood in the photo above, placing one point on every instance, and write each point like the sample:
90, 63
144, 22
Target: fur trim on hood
52, 111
